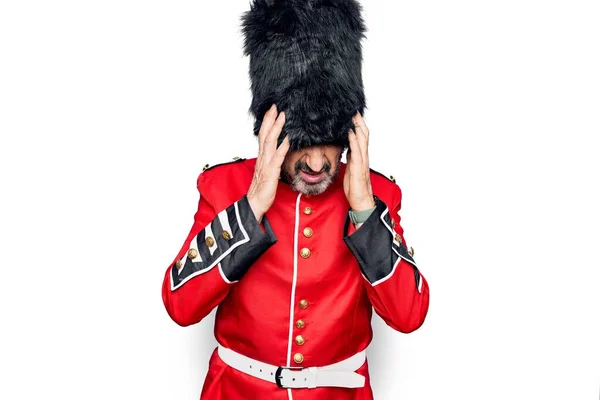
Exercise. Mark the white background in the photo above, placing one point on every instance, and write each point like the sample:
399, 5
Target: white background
487, 114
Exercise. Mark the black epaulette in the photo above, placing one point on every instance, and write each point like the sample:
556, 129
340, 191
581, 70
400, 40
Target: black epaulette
235, 160
390, 178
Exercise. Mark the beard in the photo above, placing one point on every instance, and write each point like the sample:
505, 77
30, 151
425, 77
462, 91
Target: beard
313, 188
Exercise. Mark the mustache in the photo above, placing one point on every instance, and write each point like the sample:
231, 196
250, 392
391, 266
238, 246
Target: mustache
303, 166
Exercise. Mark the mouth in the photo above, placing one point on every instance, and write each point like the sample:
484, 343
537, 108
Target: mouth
312, 178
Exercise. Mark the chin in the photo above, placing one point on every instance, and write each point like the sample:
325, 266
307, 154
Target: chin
304, 187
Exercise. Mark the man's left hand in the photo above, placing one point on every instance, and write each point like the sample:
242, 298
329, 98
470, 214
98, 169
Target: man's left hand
357, 179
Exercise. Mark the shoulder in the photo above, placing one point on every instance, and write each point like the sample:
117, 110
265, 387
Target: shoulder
382, 178
225, 182
237, 167
385, 187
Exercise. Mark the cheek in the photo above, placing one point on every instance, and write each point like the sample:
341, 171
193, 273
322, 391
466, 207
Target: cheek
334, 161
334, 157
288, 167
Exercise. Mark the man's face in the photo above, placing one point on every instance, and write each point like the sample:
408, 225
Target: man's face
311, 170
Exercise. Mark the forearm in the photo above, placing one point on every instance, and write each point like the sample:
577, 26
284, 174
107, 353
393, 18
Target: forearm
217, 253
395, 286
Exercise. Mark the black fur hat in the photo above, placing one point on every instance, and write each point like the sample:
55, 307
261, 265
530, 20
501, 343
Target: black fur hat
306, 57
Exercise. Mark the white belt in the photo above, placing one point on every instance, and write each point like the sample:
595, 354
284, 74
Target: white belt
340, 374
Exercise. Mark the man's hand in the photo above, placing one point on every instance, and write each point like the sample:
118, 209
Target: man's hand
357, 179
268, 164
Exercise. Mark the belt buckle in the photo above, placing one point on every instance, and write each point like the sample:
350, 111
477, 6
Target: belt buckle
278, 375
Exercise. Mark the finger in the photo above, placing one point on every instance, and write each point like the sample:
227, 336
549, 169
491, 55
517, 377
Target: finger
349, 163
347, 169
363, 138
355, 148
360, 121
357, 165
361, 130
282, 151
266, 124
270, 144
355, 144
348, 159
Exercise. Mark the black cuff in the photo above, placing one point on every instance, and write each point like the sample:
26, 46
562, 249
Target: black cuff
239, 261
234, 239
374, 246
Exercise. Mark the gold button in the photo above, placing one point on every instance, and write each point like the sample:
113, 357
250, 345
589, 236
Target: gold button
298, 358
393, 222
307, 210
209, 241
178, 263
305, 253
235, 158
411, 251
299, 340
307, 232
226, 235
300, 324
398, 237
392, 179
303, 303
192, 253
205, 167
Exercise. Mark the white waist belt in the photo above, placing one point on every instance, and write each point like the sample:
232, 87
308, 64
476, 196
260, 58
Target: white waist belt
340, 374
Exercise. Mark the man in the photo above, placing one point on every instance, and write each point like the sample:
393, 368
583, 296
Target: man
295, 247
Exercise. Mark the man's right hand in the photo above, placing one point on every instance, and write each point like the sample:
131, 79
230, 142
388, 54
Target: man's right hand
268, 163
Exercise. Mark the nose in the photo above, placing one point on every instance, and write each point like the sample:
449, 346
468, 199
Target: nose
315, 159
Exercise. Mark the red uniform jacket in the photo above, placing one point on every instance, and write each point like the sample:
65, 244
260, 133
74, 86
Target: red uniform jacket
299, 288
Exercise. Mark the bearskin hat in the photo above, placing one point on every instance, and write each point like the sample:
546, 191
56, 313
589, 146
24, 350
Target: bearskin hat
306, 57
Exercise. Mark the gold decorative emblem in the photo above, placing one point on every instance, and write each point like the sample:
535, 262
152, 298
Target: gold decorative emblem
398, 237
305, 253
192, 253
303, 304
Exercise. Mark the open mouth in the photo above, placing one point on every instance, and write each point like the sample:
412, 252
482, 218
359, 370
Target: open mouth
312, 178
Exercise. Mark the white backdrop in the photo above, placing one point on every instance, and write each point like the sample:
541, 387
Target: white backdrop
485, 112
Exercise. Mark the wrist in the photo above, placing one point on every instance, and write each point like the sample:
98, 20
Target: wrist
358, 217
258, 213
364, 205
